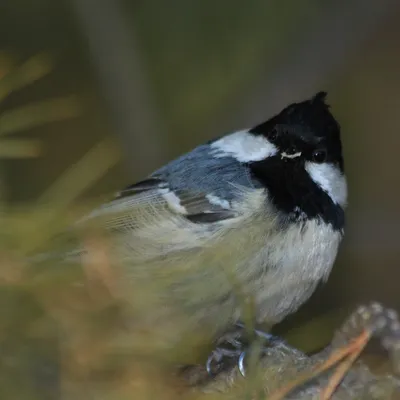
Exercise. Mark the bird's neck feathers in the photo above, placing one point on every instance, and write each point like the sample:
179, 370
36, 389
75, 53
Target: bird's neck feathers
303, 192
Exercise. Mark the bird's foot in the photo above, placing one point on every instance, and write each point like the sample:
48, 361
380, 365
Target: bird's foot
235, 347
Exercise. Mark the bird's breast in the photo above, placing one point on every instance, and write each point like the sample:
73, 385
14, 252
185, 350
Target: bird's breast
289, 265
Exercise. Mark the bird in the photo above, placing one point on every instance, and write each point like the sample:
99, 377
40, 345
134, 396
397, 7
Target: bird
250, 220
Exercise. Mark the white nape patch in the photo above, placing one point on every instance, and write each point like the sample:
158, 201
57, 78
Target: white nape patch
244, 146
330, 179
173, 201
217, 201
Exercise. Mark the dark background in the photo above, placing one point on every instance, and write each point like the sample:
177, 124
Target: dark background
163, 76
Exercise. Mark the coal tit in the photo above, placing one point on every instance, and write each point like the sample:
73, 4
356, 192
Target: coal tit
256, 214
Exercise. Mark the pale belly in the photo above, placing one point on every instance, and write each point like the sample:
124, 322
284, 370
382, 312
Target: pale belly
290, 268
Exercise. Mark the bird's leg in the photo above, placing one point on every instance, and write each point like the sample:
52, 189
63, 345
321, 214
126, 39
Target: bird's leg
227, 350
233, 347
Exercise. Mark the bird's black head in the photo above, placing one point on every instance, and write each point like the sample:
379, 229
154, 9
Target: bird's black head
308, 128
303, 169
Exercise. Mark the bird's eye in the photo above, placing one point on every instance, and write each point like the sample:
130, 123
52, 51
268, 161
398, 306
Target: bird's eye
273, 135
319, 156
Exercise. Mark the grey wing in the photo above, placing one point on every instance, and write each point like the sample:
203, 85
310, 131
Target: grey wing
193, 205
197, 186
149, 220
154, 197
180, 206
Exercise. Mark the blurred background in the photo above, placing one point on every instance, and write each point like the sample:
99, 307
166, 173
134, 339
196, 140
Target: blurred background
161, 77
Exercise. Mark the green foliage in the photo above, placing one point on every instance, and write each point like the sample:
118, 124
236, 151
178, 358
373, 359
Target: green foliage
16, 120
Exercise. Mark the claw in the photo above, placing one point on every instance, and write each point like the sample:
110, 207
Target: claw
238, 342
217, 356
208, 365
241, 367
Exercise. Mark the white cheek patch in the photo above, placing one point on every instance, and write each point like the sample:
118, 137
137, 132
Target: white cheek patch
330, 179
244, 146
173, 201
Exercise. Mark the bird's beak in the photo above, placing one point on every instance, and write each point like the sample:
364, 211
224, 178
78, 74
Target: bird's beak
286, 155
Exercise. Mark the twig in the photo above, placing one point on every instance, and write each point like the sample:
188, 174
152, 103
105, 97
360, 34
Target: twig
344, 367
335, 357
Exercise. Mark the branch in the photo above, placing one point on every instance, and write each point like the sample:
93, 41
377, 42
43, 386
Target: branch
285, 372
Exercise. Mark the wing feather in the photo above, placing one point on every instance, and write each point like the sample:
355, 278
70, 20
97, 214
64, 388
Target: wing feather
155, 193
